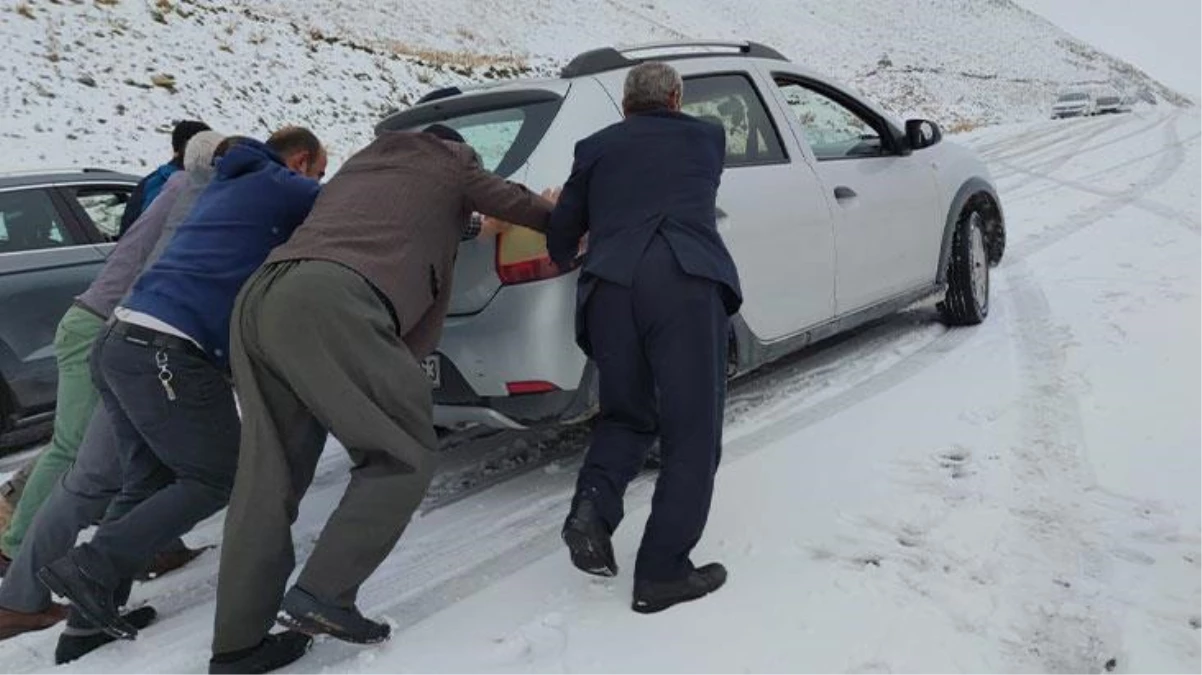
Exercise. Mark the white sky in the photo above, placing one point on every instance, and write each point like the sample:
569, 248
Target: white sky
1161, 37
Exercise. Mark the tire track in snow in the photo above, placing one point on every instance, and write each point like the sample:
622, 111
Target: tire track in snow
1170, 162
1041, 142
1067, 146
1080, 148
1063, 627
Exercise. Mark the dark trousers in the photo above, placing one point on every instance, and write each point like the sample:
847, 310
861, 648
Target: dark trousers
315, 349
178, 446
660, 349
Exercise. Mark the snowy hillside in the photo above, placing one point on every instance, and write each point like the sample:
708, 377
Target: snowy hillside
98, 82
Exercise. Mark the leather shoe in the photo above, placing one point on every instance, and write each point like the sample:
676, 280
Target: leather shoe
588, 540
275, 651
302, 612
15, 623
93, 599
656, 596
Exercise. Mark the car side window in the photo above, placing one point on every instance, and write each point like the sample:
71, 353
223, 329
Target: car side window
29, 221
104, 206
832, 130
732, 102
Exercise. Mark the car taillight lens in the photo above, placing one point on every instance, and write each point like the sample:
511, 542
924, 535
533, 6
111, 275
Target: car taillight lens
522, 256
529, 387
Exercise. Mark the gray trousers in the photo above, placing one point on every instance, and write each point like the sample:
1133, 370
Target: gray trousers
314, 349
81, 498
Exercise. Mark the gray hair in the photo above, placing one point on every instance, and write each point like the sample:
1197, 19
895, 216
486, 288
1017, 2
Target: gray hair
198, 154
649, 86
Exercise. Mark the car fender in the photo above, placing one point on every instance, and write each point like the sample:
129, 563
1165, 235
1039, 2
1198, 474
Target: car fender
970, 187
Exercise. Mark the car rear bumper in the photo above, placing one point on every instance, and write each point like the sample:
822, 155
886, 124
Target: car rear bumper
526, 334
453, 416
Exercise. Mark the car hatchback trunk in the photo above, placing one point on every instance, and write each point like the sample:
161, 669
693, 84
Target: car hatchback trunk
504, 127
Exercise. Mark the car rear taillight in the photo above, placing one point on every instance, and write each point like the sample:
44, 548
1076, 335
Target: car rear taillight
522, 256
529, 387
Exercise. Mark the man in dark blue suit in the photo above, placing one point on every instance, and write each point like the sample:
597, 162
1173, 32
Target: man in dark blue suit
656, 292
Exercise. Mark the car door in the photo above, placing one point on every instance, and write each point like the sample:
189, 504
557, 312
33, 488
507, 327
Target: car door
45, 261
887, 199
772, 213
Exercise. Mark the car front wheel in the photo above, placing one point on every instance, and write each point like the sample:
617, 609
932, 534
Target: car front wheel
967, 300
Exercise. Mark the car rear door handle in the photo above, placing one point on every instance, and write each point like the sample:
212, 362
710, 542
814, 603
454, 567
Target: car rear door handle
843, 193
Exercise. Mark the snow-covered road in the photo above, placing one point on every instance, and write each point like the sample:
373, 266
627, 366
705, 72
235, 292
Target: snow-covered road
1020, 496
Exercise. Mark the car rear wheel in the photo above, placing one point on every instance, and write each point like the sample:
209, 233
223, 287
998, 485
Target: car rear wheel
967, 300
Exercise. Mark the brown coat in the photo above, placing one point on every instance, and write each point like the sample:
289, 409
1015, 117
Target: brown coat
395, 213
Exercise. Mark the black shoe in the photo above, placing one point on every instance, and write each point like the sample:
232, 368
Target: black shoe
71, 647
588, 541
302, 612
275, 651
93, 600
656, 596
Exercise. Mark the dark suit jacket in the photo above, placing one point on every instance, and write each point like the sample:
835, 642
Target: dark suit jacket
656, 172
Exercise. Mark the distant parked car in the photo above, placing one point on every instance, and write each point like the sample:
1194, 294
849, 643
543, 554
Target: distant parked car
55, 232
835, 212
1110, 103
1074, 104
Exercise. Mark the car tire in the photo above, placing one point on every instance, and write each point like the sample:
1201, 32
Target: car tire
967, 300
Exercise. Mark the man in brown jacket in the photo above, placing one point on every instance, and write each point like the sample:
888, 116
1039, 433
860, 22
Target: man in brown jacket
327, 337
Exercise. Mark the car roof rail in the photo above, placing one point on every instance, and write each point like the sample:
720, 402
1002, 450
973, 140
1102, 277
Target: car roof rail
435, 94
612, 58
14, 173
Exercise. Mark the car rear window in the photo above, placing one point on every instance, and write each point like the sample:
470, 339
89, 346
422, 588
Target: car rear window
504, 128
1073, 97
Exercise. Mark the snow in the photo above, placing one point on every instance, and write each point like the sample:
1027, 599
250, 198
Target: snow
1019, 496
77, 85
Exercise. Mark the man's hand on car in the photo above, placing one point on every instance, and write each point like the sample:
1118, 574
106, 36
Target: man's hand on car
491, 227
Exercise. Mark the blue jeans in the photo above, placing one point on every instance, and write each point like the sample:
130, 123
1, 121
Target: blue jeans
178, 444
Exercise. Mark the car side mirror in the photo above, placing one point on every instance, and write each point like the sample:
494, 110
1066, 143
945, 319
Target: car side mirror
922, 134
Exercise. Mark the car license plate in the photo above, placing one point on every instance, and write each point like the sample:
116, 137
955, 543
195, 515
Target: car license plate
433, 367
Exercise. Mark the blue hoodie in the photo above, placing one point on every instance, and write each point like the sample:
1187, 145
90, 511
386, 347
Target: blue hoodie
252, 205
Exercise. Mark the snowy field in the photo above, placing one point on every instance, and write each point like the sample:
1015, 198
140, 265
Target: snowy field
1020, 496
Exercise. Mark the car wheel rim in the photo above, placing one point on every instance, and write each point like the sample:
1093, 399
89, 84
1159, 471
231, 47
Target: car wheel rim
979, 261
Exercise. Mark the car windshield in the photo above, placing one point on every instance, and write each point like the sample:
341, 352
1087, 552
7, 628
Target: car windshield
504, 132
1071, 97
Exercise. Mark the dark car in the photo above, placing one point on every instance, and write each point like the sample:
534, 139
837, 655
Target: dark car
56, 230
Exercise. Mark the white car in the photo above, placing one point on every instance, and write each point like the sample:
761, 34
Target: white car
835, 213
1074, 104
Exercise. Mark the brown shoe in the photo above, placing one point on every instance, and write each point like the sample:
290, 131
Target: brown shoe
169, 561
14, 623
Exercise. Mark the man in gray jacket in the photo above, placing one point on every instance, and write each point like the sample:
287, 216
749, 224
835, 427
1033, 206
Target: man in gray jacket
327, 337
91, 485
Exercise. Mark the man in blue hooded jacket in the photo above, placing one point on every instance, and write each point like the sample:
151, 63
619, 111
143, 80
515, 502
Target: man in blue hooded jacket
162, 367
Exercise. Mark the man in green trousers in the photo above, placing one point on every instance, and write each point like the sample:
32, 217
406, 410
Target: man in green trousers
77, 331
